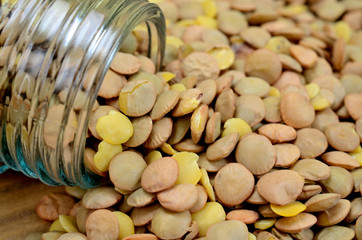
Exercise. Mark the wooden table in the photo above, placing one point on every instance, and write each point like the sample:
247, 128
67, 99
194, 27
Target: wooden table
18, 197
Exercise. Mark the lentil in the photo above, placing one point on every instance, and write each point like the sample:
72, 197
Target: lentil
102, 224
52, 205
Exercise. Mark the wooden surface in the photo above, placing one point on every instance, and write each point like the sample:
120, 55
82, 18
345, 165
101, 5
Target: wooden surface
18, 197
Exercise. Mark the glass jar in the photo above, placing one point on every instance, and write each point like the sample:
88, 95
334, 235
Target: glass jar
49, 49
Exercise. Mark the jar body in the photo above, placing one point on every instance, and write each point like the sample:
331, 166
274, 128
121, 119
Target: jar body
49, 50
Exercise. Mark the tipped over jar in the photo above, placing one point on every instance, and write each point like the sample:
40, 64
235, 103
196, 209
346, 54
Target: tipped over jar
53, 58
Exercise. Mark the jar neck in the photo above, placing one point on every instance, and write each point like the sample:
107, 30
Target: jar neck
124, 16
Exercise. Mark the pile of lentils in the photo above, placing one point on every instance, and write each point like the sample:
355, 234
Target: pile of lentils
251, 129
